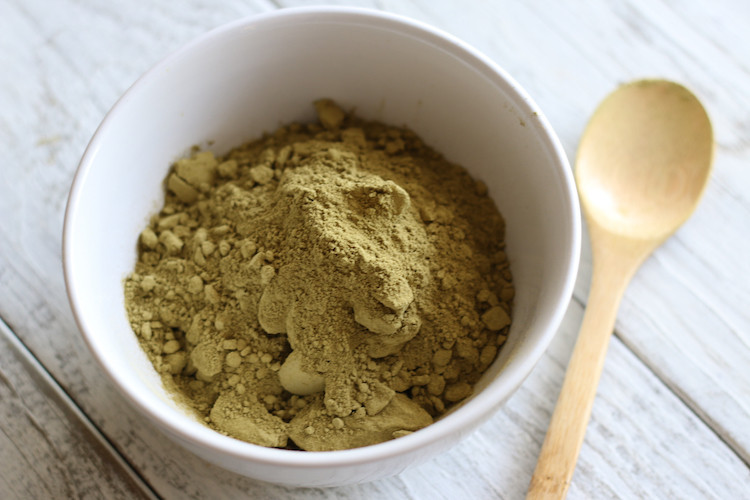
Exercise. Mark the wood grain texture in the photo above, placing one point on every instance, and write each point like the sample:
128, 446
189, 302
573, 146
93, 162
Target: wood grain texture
672, 416
47, 447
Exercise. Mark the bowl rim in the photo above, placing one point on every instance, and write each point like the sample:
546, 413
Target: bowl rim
484, 402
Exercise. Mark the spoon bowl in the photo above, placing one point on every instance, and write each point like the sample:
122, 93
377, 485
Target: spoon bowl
643, 163
644, 159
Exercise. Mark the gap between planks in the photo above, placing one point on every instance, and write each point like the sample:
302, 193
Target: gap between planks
27, 358
681, 395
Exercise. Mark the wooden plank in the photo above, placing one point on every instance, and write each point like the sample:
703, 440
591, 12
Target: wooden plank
47, 446
685, 314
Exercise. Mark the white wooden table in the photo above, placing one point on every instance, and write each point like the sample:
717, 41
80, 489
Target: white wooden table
672, 418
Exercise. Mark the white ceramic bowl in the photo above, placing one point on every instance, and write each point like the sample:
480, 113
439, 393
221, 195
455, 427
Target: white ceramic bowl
252, 75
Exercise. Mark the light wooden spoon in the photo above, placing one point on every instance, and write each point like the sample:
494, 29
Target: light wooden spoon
643, 162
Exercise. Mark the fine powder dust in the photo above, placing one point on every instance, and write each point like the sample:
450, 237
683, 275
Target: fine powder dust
328, 286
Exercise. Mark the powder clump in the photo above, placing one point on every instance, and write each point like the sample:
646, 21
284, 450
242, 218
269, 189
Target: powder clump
328, 286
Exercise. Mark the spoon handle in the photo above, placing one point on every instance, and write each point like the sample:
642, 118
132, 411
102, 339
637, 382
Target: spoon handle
565, 434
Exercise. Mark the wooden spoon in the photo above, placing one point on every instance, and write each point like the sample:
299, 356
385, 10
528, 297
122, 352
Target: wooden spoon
643, 162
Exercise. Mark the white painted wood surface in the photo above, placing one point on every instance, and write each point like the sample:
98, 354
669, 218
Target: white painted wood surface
672, 419
41, 427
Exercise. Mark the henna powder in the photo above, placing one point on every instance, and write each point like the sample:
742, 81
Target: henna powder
328, 286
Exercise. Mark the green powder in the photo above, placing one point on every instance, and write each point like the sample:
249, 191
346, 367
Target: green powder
328, 286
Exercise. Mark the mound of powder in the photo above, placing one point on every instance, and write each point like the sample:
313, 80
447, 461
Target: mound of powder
328, 286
